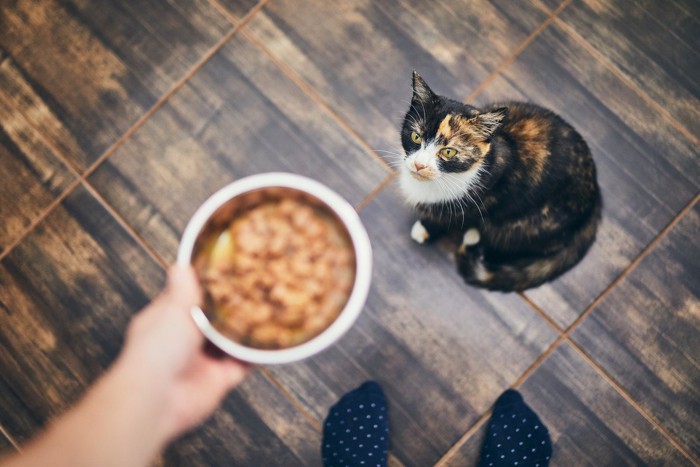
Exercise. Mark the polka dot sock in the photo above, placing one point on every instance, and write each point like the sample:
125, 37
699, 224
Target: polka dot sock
356, 431
516, 436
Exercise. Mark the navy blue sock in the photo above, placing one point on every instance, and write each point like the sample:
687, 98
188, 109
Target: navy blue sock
516, 435
356, 430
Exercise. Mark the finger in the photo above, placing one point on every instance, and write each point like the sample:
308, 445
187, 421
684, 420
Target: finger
235, 371
228, 371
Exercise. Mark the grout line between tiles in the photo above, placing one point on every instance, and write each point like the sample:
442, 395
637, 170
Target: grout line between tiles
627, 81
37, 220
10, 439
630, 400
542, 313
517, 51
565, 336
373, 194
126, 226
285, 392
308, 90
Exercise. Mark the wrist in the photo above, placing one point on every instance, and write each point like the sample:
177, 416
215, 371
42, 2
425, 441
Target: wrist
142, 396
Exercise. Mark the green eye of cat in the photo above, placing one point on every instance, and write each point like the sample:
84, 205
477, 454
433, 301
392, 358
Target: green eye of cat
416, 138
448, 152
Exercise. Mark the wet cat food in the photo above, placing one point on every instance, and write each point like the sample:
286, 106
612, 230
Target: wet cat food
277, 272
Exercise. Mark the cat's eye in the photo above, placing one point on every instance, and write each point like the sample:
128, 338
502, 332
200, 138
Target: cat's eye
416, 138
448, 152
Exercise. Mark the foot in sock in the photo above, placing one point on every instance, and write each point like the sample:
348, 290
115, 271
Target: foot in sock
356, 430
516, 435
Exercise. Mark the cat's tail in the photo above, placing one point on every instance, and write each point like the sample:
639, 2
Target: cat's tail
492, 270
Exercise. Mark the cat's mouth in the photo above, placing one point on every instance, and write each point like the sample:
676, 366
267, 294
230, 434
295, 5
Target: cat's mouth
424, 177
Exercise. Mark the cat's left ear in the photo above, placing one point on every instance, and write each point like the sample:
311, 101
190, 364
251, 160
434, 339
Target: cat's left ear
421, 91
487, 123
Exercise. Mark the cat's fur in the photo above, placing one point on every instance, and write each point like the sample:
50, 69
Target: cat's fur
522, 187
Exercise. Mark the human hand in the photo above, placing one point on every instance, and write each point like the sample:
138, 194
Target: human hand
166, 351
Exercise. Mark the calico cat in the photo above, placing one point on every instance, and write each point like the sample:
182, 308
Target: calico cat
515, 180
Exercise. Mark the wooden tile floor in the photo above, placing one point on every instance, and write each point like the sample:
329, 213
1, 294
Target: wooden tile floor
118, 118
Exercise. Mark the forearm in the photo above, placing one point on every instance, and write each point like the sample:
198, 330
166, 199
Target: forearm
118, 423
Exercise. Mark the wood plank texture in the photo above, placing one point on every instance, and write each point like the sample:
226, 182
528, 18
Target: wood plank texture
589, 422
320, 88
359, 55
440, 349
645, 332
654, 44
85, 71
238, 116
31, 177
67, 293
647, 170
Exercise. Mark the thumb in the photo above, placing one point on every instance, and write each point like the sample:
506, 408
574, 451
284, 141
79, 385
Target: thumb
182, 287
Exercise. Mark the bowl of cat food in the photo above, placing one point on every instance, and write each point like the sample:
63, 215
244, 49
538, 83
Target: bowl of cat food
284, 265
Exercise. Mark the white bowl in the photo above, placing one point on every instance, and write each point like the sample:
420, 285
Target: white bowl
360, 244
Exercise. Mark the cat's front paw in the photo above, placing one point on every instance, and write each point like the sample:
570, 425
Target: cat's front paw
419, 233
471, 238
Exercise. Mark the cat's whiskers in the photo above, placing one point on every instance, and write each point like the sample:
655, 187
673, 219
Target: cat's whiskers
395, 158
463, 192
457, 191
451, 201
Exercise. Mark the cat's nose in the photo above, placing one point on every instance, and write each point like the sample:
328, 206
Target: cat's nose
419, 166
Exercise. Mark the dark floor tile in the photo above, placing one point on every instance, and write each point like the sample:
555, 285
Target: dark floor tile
240, 115
86, 71
645, 332
67, 293
359, 55
647, 170
654, 44
589, 422
238, 8
31, 177
442, 350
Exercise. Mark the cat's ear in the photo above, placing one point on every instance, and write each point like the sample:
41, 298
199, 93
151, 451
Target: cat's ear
487, 123
421, 91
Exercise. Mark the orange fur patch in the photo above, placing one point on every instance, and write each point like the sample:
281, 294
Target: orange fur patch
532, 135
445, 128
